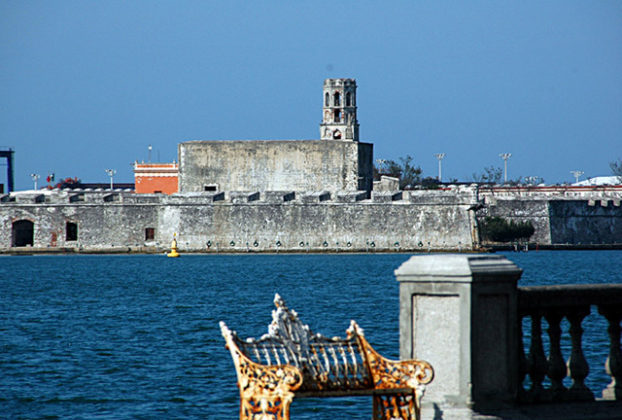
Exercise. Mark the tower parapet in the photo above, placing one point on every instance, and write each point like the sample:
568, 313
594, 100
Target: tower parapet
339, 120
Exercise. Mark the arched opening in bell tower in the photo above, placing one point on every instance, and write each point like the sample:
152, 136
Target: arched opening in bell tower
337, 116
348, 99
337, 99
326, 99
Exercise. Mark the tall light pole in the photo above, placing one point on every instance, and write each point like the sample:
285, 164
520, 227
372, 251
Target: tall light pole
111, 173
35, 177
577, 175
149, 159
505, 157
440, 157
380, 165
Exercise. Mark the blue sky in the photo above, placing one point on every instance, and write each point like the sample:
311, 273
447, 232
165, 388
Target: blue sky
86, 86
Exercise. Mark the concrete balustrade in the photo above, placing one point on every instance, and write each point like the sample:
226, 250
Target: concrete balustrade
573, 302
458, 312
464, 314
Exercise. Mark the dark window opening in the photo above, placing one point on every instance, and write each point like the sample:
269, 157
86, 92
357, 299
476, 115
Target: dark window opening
149, 234
337, 101
336, 134
71, 231
157, 192
337, 115
210, 188
76, 198
348, 99
23, 233
326, 99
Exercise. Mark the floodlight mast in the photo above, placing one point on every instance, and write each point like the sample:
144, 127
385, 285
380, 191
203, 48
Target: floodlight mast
577, 175
440, 157
380, 165
35, 177
111, 173
505, 157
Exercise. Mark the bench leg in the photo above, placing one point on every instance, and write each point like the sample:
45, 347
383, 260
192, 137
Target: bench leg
266, 407
395, 406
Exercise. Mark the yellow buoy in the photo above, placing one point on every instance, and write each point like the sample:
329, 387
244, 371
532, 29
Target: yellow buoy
173, 253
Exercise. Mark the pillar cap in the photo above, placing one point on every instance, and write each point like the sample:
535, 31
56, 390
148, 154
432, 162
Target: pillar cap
460, 268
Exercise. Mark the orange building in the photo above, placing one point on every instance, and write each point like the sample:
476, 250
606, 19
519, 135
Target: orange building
156, 177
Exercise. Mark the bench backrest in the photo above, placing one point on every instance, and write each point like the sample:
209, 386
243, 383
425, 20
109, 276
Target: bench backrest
327, 364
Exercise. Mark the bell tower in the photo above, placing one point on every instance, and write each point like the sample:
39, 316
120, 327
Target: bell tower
339, 111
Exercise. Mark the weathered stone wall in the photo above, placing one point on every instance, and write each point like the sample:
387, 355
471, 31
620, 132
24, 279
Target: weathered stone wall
586, 222
293, 221
104, 220
297, 165
365, 165
534, 211
563, 221
552, 192
241, 221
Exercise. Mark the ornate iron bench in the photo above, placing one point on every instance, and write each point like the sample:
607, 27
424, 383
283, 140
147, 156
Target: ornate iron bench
291, 361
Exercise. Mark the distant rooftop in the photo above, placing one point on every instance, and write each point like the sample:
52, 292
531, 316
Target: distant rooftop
599, 180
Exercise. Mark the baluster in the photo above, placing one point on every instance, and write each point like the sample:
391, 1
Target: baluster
577, 365
557, 367
613, 366
537, 364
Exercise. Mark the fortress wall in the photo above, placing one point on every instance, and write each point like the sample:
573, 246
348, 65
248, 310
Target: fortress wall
282, 220
318, 220
452, 196
365, 166
564, 221
99, 226
333, 226
240, 221
298, 165
534, 211
586, 222
611, 192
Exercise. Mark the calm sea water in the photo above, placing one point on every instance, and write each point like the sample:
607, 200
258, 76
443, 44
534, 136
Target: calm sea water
86, 337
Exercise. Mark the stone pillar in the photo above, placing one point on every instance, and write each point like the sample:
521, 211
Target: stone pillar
459, 313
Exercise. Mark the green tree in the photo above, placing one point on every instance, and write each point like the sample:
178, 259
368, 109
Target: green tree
490, 174
497, 229
408, 174
430, 183
616, 169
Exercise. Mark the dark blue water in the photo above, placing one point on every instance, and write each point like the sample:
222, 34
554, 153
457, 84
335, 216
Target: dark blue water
137, 336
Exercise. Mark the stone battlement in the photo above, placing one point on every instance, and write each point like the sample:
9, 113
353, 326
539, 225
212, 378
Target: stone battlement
455, 195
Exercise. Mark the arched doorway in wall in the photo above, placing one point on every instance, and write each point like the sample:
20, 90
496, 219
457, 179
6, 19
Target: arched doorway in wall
23, 233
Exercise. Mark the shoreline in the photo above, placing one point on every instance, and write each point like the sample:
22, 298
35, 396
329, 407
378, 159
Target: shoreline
157, 250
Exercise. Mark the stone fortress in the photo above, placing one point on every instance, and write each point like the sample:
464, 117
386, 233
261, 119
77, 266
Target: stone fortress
337, 162
295, 196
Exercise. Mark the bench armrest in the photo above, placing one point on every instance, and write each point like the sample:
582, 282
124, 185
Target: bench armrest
393, 374
254, 378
